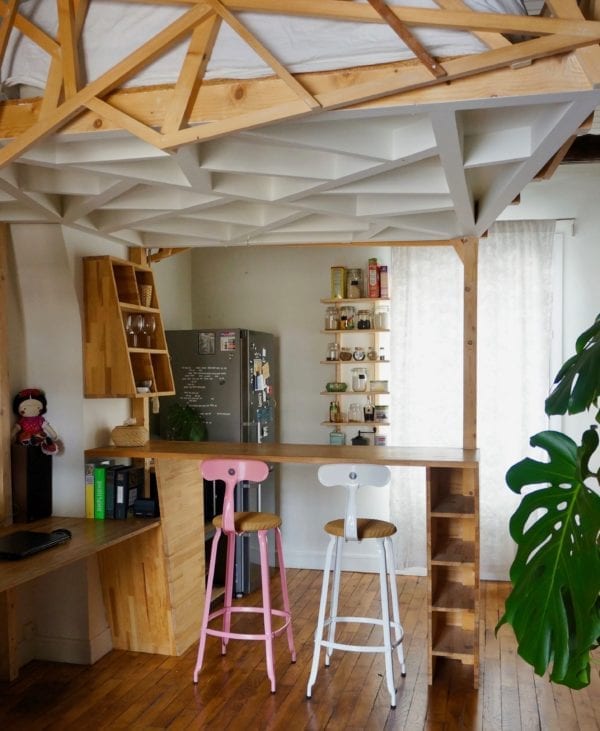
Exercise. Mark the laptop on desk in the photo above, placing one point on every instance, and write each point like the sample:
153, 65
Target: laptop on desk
24, 543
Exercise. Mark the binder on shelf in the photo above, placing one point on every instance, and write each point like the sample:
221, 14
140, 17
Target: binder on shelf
128, 483
99, 491
110, 490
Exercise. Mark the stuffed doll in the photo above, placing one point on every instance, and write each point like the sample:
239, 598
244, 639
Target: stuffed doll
32, 429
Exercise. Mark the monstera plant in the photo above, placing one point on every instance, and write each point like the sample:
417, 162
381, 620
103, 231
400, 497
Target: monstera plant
554, 604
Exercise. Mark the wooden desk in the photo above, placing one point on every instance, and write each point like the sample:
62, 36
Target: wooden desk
89, 538
171, 610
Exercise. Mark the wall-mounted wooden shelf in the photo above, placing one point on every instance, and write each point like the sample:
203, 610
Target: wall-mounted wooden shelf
113, 365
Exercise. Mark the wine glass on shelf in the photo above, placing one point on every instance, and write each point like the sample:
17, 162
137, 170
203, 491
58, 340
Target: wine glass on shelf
148, 329
138, 328
130, 330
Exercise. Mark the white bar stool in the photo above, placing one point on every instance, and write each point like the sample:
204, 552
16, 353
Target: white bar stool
351, 528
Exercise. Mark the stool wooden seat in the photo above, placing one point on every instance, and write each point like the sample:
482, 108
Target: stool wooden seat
341, 531
232, 472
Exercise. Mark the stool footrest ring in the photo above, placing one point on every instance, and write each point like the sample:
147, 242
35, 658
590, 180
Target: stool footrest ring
253, 636
361, 648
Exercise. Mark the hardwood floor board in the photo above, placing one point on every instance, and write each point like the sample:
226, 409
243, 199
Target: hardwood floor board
565, 708
509, 693
545, 699
132, 691
490, 651
528, 708
588, 699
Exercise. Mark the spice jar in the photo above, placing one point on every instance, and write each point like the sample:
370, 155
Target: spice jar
359, 353
331, 318
371, 353
333, 351
364, 320
345, 354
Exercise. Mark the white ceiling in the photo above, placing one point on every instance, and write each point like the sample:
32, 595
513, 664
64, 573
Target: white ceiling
410, 173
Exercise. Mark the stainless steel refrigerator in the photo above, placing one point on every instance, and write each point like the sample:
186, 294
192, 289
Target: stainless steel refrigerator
229, 377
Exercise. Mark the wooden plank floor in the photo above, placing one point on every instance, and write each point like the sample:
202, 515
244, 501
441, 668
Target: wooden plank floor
127, 690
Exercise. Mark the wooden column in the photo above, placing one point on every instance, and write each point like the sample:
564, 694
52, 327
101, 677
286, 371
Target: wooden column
5, 399
467, 249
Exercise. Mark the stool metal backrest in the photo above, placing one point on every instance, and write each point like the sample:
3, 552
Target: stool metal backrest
352, 477
233, 471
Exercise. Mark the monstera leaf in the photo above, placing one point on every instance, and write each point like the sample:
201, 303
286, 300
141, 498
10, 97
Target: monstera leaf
554, 607
578, 381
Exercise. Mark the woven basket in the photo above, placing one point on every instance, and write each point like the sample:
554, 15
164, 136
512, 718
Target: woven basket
129, 436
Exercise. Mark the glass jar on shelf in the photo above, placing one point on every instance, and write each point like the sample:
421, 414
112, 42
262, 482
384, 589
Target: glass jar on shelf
347, 315
371, 353
354, 283
331, 318
364, 319
359, 379
333, 351
345, 353
382, 353
382, 317
359, 353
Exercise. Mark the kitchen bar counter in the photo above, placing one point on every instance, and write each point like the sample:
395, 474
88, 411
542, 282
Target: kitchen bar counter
296, 453
154, 600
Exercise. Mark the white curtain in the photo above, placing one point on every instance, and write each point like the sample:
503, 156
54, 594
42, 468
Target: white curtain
514, 342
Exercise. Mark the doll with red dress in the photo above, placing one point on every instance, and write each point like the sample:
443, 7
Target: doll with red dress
32, 428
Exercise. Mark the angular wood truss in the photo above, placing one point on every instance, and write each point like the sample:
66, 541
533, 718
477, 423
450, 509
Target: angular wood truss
551, 61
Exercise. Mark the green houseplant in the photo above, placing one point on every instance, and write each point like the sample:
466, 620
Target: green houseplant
184, 423
554, 604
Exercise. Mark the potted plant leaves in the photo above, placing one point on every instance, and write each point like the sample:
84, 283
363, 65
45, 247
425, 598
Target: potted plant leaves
554, 604
185, 424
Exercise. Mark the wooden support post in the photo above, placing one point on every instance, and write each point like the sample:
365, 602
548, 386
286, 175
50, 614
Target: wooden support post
5, 399
467, 249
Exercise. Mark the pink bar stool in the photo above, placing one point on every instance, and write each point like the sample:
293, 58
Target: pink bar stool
233, 471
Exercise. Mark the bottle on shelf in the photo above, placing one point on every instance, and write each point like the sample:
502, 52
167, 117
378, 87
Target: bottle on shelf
334, 412
382, 353
369, 410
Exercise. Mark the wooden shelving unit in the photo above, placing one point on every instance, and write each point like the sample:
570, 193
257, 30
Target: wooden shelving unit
113, 289
453, 566
379, 368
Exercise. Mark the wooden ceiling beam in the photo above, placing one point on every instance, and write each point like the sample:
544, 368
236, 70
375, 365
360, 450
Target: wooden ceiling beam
408, 38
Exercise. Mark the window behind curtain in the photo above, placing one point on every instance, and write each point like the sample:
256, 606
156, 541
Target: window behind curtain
514, 346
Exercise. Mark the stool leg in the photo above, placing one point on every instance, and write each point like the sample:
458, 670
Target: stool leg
399, 631
385, 619
266, 595
284, 593
339, 545
228, 596
207, 598
321, 619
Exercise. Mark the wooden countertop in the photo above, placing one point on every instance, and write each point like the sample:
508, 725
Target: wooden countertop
296, 453
88, 537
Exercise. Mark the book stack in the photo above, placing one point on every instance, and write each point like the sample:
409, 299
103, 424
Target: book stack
111, 489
